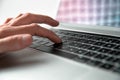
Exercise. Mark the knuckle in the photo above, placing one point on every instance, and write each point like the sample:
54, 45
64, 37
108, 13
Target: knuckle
34, 24
27, 14
14, 39
18, 43
33, 27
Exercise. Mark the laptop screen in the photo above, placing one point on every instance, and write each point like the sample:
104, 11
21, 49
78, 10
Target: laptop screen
93, 12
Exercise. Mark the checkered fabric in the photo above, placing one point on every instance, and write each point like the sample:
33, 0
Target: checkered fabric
95, 12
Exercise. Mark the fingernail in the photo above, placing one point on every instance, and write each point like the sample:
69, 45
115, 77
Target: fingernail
27, 39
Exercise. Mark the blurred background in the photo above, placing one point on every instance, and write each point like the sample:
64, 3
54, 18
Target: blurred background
11, 8
93, 12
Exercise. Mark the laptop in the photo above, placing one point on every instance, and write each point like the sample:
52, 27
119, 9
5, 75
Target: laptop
88, 52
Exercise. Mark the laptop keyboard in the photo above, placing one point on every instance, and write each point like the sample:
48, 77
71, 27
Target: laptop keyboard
93, 49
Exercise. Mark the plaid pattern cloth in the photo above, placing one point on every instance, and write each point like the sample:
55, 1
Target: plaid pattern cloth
95, 12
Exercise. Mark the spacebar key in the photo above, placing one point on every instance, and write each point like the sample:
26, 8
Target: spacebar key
55, 51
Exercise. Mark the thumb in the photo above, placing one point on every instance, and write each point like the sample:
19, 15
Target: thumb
16, 42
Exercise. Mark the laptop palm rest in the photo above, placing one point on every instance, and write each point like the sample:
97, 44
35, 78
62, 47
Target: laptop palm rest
30, 64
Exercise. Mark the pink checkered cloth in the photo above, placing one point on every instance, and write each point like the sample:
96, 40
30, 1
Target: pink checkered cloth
96, 12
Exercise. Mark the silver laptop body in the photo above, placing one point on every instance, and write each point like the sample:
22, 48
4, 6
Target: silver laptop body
33, 64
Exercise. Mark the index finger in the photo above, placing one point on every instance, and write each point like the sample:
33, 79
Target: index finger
32, 29
29, 18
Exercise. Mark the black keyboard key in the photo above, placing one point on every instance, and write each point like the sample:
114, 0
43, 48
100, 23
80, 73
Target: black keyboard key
81, 51
56, 45
35, 39
65, 41
117, 47
116, 41
85, 46
90, 42
117, 69
83, 40
49, 44
117, 60
75, 44
90, 54
99, 43
70, 49
94, 62
94, 48
74, 34
110, 59
101, 56
113, 60
34, 46
107, 66
104, 50
82, 36
81, 59
114, 52
103, 39
43, 43
108, 45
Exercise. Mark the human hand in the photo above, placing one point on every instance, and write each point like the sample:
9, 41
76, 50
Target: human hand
16, 33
